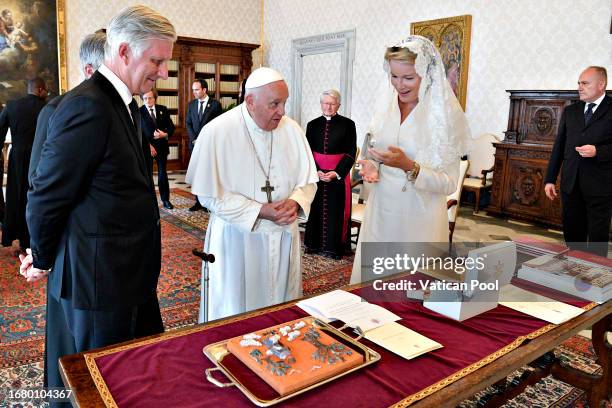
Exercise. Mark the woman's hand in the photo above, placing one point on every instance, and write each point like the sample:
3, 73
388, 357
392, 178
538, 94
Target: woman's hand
368, 171
393, 157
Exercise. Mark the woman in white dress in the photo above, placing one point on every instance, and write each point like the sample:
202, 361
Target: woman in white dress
417, 137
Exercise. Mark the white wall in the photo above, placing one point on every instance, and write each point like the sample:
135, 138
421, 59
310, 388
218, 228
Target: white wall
516, 44
234, 20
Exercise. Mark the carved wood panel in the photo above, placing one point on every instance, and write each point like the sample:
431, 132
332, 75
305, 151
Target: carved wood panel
525, 192
498, 175
541, 121
521, 160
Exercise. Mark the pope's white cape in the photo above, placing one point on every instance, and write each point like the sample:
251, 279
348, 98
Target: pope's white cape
257, 262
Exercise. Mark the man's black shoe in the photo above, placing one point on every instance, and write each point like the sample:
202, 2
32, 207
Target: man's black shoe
196, 207
168, 205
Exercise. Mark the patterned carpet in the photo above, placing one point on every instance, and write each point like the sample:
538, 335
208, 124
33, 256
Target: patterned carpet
576, 352
22, 310
22, 305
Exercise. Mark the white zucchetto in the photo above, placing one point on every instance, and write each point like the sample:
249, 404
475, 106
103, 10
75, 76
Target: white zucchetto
262, 76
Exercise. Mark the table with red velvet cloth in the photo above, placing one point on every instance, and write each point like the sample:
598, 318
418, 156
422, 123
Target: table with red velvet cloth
168, 370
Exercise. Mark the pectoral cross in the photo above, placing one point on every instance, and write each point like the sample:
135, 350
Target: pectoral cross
268, 189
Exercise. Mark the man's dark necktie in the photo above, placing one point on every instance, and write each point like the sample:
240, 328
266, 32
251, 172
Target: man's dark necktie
135, 118
201, 111
589, 113
138, 135
152, 114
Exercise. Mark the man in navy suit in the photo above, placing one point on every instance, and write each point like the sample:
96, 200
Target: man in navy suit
157, 127
92, 210
584, 149
200, 111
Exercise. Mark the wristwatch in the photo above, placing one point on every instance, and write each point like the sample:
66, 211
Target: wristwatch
413, 173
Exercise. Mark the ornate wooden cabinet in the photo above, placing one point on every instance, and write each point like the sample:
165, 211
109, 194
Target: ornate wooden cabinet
223, 64
521, 159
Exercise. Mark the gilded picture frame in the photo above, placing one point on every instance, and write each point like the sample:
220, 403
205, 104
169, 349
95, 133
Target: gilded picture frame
32, 43
452, 37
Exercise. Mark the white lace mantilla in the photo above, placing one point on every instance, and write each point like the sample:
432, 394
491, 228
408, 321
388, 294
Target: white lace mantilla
443, 117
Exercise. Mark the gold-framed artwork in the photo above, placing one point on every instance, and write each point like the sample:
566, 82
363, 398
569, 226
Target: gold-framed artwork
32, 43
452, 37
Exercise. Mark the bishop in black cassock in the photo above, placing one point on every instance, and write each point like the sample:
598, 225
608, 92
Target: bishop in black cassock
332, 139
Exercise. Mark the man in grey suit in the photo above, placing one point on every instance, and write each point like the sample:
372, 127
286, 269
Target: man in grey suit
200, 111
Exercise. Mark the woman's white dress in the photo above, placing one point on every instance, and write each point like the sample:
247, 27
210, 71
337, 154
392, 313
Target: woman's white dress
419, 213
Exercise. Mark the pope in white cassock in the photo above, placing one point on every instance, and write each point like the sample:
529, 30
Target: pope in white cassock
253, 169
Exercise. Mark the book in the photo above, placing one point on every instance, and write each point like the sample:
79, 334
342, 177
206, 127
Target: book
293, 355
588, 280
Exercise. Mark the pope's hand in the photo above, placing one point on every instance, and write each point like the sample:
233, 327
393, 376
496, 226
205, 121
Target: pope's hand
282, 212
27, 270
368, 171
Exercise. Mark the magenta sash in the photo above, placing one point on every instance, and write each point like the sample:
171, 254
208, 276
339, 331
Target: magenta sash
329, 162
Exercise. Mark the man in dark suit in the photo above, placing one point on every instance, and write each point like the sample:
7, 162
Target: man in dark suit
92, 209
157, 127
200, 111
91, 54
584, 149
20, 116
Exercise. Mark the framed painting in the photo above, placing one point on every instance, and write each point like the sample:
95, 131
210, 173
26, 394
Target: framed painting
452, 37
32, 43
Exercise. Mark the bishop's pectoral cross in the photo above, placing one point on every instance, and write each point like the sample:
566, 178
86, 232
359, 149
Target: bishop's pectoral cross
268, 190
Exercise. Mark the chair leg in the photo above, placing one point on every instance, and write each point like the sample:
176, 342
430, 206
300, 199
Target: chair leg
477, 203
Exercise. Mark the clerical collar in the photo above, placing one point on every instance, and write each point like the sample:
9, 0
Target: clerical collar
122, 89
328, 117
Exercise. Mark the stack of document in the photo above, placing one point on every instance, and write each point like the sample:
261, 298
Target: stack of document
571, 275
348, 308
377, 323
